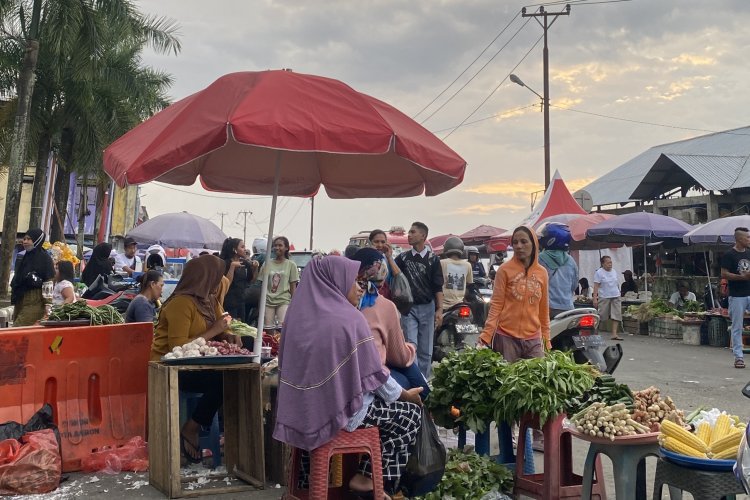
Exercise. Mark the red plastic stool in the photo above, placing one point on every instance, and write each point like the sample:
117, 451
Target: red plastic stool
558, 480
360, 441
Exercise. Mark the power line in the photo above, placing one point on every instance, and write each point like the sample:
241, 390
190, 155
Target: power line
222, 215
467, 68
294, 216
495, 89
488, 117
166, 186
641, 122
477, 73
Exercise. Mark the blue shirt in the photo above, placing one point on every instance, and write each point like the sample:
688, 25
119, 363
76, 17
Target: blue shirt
563, 282
140, 310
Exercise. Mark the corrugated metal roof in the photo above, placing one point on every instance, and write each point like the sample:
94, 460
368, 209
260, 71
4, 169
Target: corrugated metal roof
715, 173
619, 185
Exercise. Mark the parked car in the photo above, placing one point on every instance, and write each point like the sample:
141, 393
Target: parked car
300, 258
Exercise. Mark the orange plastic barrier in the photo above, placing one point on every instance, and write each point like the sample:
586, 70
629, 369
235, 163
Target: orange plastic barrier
95, 378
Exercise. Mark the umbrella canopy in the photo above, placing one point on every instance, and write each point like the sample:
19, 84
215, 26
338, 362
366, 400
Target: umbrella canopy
232, 133
559, 218
480, 234
179, 230
718, 230
578, 227
438, 241
285, 133
638, 226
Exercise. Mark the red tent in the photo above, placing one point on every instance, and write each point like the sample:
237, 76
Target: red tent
480, 234
557, 200
437, 243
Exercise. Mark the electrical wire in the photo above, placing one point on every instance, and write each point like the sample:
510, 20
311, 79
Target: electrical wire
302, 204
167, 186
477, 73
495, 89
489, 117
641, 122
467, 67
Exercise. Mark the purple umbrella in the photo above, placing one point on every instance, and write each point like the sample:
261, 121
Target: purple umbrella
718, 230
639, 227
179, 230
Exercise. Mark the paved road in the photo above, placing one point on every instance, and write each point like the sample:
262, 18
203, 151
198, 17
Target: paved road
691, 375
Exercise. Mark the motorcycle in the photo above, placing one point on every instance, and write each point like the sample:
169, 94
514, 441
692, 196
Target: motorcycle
457, 331
111, 290
576, 331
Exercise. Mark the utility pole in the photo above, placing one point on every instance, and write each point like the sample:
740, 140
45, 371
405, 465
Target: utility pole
546, 25
245, 213
222, 214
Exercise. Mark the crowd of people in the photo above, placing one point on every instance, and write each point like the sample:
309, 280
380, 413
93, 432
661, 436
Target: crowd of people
349, 358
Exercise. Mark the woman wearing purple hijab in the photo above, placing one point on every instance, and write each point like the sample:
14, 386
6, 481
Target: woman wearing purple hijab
332, 377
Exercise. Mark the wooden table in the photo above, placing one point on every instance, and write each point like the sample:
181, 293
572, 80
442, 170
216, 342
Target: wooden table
243, 427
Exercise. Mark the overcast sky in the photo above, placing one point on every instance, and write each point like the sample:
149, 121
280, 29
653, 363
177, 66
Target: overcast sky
678, 63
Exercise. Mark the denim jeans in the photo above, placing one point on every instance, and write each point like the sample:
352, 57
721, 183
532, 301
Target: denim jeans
737, 308
419, 329
410, 377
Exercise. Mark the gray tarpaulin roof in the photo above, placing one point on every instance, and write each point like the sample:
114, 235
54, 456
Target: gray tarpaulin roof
716, 161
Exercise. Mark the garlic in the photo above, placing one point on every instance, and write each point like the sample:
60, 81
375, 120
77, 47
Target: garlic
212, 351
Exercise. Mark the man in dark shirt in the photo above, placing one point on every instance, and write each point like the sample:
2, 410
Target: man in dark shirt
425, 276
735, 268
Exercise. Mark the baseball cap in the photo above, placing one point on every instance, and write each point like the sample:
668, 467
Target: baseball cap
130, 241
628, 271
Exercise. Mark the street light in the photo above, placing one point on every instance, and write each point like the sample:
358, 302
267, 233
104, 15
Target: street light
545, 108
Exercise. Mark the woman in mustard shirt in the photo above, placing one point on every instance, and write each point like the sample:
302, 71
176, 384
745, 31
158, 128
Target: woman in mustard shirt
195, 310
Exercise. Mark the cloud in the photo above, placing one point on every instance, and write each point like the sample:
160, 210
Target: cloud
522, 188
485, 208
694, 60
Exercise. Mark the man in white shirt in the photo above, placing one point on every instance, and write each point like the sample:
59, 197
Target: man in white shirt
128, 262
681, 296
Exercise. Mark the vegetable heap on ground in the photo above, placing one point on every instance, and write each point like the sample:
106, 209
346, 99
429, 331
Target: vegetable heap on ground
660, 307
100, 315
201, 347
608, 422
719, 440
651, 410
470, 476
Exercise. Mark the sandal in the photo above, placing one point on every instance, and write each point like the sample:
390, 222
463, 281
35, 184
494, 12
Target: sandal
189, 456
739, 363
617, 338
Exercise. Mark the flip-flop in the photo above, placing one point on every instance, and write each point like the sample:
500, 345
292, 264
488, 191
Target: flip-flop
189, 457
617, 338
739, 363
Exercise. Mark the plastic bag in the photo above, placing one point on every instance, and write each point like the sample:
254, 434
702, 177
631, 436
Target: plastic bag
35, 466
401, 294
41, 420
132, 456
426, 464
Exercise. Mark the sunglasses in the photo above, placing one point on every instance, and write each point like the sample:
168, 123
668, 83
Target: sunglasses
363, 284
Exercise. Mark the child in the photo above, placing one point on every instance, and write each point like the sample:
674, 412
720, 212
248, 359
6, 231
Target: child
64, 292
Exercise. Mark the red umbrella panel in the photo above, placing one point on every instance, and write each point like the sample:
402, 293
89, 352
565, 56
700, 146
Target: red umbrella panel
284, 133
480, 234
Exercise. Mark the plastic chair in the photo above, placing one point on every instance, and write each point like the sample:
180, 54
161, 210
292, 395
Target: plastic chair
629, 464
209, 439
558, 480
699, 483
360, 441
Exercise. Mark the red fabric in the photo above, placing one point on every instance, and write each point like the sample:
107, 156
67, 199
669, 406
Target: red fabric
481, 233
232, 133
579, 226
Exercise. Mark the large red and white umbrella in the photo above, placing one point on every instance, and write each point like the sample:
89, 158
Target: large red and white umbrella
284, 133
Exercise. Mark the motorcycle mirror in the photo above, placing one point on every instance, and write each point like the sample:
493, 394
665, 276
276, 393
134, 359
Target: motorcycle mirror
746, 390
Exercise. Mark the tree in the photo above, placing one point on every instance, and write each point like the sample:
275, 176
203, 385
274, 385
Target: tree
93, 87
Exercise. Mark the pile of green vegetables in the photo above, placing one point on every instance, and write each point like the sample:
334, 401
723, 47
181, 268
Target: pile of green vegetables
483, 387
466, 380
661, 307
100, 315
469, 476
242, 329
605, 390
541, 386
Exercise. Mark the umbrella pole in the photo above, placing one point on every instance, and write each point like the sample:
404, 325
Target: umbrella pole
708, 276
269, 244
645, 265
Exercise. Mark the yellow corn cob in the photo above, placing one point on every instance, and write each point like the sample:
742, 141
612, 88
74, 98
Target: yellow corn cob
670, 429
337, 471
704, 432
732, 440
727, 454
680, 447
721, 427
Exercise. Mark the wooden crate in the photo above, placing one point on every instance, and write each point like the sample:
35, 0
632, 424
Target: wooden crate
243, 428
665, 328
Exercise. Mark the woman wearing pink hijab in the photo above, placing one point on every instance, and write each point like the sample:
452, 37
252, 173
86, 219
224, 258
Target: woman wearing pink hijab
332, 378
